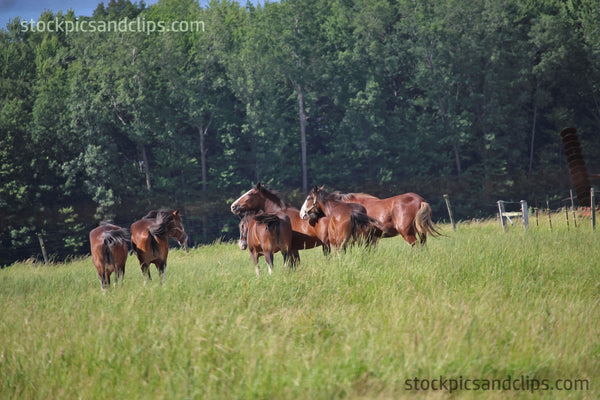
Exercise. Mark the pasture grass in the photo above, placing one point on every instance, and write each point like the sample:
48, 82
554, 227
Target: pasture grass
478, 303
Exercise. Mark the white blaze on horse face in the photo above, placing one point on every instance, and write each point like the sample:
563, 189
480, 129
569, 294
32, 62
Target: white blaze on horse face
235, 203
304, 210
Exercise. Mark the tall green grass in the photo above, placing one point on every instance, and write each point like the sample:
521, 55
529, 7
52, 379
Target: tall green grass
478, 303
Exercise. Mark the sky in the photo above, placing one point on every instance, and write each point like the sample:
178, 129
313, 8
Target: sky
31, 9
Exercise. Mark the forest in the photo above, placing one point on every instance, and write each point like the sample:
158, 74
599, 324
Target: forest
465, 98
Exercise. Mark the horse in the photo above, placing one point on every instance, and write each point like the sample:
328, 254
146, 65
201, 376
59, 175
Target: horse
265, 234
408, 215
348, 222
108, 244
305, 235
150, 239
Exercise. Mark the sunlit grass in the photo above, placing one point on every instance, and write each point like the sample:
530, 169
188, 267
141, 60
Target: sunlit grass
478, 303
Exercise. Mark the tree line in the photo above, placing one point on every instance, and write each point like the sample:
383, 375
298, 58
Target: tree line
381, 96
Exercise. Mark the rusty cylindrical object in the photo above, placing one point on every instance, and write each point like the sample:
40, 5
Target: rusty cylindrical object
579, 175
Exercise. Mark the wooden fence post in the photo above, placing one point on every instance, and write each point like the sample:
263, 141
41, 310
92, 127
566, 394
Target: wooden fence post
548, 211
573, 208
450, 211
593, 207
525, 211
501, 213
43, 248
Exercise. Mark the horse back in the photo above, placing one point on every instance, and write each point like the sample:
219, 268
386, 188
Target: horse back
270, 232
145, 244
108, 244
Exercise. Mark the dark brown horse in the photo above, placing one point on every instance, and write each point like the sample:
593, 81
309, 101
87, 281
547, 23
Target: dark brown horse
150, 239
304, 236
407, 214
109, 251
348, 222
265, 234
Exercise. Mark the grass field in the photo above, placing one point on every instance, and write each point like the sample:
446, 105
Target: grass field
515, 309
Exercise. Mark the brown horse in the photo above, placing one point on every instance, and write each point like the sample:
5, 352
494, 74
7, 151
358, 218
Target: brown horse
265, 234
348, 222
407, 214
150, 239
109, 252
304, 234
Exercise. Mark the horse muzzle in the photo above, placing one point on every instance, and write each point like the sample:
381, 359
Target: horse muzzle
243, 244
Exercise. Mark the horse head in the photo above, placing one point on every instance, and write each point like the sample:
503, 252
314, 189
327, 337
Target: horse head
176, 230
310, 207
252, 200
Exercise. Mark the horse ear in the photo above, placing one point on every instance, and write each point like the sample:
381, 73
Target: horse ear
322, 187
258, 185
315, 188
176, 212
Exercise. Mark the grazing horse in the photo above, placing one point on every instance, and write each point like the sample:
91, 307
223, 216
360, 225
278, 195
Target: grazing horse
265, 234
407, 214
348, 222
305, 235
150, 239
109, 251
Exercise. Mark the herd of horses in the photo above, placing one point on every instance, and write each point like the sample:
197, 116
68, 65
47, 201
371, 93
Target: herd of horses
149, 240
268, 225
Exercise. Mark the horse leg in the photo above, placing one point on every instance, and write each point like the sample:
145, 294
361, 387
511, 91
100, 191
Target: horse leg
146, 270
255, 256
294, 258
106, 280
101, 277
162, 270
269, 260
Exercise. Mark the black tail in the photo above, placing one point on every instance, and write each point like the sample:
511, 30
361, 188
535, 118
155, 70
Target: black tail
363, 221
271, 221
113, 238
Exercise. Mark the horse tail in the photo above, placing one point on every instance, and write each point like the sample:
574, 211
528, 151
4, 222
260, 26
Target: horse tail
363, 221
112, 239
423, 223
271, 221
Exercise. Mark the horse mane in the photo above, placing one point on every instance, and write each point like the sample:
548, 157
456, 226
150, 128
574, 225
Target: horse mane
324, 196
354, 196
164, 218
273, 196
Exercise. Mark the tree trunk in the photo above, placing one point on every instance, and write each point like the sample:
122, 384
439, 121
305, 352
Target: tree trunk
202, 134
533, 131
146, 167
303, 118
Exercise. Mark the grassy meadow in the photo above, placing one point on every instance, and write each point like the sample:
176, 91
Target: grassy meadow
478, 304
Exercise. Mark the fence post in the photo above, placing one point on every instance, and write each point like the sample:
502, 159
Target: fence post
573, 208
593, 207
525, 211
43, 248
501, 213
548, 211
446, 197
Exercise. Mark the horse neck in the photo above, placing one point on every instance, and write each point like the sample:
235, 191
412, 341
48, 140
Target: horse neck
326, 206
271, 206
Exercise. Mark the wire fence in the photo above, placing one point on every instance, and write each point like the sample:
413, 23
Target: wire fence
50, 245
